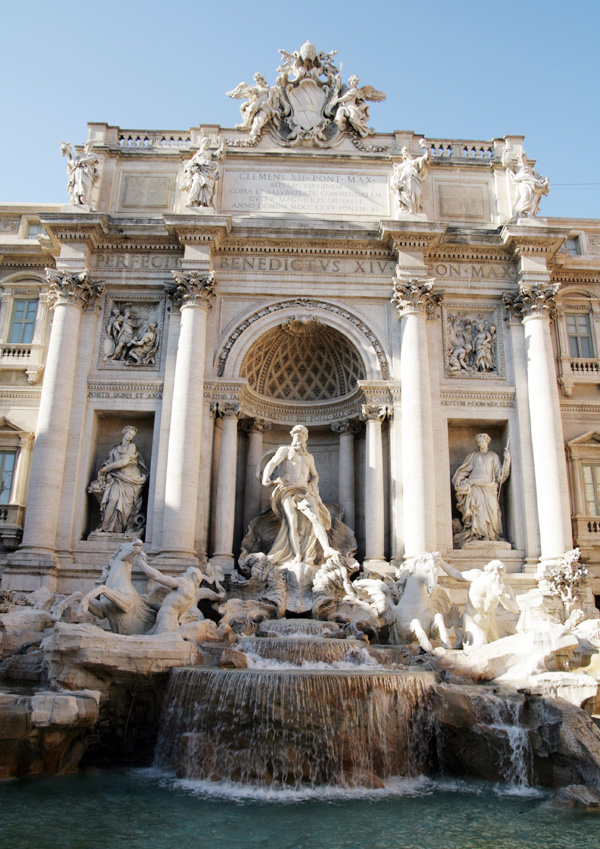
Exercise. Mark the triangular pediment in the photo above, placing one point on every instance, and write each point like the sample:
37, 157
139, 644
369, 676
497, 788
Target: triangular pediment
8, 427
592, 438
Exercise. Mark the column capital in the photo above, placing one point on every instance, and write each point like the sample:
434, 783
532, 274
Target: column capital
532, 299
415, 296
373, 412
192, 288
72, 288
255, 425
26, 441
351, 426
227, 409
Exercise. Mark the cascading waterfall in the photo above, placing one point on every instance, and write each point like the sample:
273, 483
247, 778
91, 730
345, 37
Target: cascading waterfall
296, 727
502, 718
299, 651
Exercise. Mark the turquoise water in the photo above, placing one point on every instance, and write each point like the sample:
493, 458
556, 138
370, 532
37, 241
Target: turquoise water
142, 809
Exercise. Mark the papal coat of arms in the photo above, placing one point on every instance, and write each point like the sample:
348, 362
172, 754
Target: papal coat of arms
308, 104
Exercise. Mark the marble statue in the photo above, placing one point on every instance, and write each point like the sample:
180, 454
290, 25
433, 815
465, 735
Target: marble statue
82, 172
484, 347
407, 179
295, 500
477, 483
352, 109
182, 598
413, 606
116, 599
261, 106
486, 591
530, 186
119, 486
308, 103
201, 173
564, 581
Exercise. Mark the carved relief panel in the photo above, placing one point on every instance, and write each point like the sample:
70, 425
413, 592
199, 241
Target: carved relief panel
132, 329
472, 342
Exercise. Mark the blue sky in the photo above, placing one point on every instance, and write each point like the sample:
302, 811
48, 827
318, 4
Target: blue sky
471, 70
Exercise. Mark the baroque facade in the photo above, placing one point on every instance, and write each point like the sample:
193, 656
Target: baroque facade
206, 290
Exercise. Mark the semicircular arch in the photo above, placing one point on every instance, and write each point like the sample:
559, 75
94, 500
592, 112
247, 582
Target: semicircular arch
239, 338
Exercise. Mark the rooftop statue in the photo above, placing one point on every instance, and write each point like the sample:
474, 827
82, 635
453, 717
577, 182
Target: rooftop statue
201, 173
407, 179
82, 172
308, 104
530, 186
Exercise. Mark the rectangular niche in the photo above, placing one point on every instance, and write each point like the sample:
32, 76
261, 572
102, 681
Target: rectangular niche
107, 433
132, 331
461, 442
472, 342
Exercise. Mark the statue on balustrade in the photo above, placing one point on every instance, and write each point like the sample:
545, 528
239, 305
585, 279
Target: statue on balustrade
119, 487
295, 499
81, 171
477, 483
201, 173
407, 179
530, 186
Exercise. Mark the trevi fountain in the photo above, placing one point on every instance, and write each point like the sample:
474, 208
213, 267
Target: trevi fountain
301, 572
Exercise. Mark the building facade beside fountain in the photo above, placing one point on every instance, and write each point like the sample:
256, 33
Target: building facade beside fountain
207, 290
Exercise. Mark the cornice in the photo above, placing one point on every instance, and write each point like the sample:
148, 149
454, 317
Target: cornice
413, 235
305, 247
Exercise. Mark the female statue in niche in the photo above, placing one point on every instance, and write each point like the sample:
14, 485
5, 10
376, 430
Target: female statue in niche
477, 482
119, 487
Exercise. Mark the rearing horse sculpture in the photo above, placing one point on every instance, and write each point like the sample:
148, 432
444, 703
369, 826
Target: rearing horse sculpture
116, 599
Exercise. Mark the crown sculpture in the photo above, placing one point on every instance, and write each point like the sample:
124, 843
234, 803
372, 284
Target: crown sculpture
308, 105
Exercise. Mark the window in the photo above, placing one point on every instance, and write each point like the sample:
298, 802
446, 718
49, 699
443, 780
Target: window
579, 332
34, 230
591, 485
7, 468
23, 321
572, 246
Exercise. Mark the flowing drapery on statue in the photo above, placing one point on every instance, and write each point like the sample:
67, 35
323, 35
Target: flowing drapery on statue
477, 481
295, 500
119, 487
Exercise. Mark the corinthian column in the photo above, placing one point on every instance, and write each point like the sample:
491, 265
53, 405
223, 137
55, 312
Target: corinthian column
374, 415
534, 303
69, 293
225, 511
192, 293
415, 302
255, 429
346, 430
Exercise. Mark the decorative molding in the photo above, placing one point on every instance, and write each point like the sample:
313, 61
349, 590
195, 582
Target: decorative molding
152, 391
477, 398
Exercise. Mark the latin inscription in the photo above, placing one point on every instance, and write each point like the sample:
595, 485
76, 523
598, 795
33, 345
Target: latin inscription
473, 271
288, 191
122, 260
309, 265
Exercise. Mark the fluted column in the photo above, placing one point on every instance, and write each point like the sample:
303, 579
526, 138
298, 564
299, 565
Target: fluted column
255, 429
192, 293
374, 416
69, 293
346, 430
534, 303
225, 508
415, 301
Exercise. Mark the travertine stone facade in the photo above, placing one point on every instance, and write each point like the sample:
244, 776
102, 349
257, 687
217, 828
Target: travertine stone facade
214, 287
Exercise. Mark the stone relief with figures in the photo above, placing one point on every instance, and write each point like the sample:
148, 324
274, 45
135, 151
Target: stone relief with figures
309, 104
472, 346
131, 334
